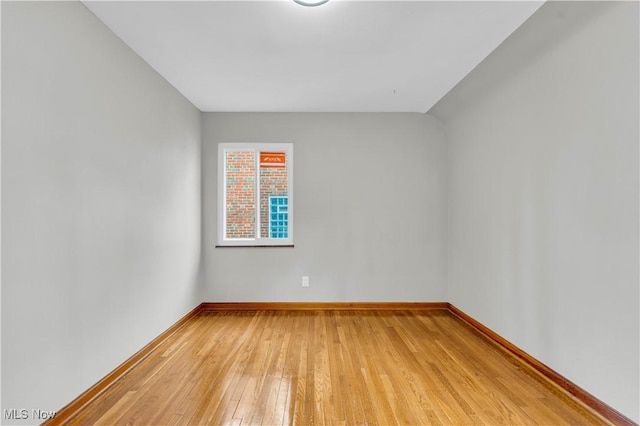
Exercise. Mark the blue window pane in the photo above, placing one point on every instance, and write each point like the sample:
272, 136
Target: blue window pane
278, 217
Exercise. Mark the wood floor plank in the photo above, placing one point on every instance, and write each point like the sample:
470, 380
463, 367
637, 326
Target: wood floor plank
331, 368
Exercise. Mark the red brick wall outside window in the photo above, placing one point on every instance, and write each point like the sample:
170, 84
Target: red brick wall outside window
241, 194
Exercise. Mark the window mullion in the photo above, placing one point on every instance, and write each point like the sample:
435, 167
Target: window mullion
257, 195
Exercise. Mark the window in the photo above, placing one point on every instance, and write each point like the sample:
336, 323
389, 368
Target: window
255, 194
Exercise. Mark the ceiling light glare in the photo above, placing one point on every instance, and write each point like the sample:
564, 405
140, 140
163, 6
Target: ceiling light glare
311, 3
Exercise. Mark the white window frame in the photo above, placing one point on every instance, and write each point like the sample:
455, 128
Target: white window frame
223, 149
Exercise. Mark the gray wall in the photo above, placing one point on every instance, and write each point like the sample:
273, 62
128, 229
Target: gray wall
370, 210
542, 170
101, 203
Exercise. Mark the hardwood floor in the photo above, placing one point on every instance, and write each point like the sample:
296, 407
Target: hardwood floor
331, 367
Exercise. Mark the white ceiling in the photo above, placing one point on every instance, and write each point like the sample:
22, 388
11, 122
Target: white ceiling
344, 56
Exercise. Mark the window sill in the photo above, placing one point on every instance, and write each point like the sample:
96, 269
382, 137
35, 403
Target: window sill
263, 246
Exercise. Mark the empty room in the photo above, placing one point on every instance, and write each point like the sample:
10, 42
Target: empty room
349, 212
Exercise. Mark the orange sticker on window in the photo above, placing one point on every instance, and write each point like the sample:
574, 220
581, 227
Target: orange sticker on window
273, 159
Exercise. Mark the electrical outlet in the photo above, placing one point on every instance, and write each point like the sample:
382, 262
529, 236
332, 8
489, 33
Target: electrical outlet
305, 281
